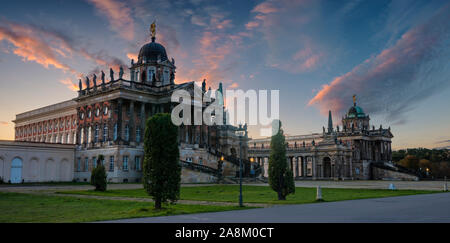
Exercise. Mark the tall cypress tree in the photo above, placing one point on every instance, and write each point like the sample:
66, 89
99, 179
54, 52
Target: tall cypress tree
162, 169
281, 179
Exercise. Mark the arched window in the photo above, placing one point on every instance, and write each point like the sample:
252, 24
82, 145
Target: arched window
105, 133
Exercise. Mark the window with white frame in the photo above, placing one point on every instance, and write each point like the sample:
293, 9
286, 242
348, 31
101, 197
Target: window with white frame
96, 134
127, 133
125, 163
111, 163
105, 133
78, 164
138, 134
86, 164
137, 162
115, 132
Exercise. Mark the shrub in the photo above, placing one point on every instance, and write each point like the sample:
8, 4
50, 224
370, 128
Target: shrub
98, 175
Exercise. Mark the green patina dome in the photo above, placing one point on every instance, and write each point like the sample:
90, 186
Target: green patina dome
356, 111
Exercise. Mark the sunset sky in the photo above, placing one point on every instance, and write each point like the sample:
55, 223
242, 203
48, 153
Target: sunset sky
394, 55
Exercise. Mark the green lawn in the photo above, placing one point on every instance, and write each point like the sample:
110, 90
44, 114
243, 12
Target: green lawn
17, 207
260, 194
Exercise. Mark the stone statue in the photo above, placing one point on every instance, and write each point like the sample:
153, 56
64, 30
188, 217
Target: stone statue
173, 61
337, 128
313, 143
121, 72
323, 129
94, 80
132, 62
87, 82
80, 85
103, 77
111, 74
304, 144
172, 78
204, 85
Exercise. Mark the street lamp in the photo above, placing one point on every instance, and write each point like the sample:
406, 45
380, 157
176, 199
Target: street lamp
240, 133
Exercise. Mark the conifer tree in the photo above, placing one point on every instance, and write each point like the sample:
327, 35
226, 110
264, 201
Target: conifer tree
162, 169
281, 179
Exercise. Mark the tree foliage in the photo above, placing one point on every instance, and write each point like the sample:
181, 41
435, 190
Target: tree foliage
437, 161
281, 178
98, 175
162, 169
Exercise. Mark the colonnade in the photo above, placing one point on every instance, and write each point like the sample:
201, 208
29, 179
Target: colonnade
301, 166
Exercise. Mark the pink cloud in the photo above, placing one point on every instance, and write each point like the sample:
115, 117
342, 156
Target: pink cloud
31, 46
68, 82
393, 81
119, 16
49, 49
265, 8
252, 24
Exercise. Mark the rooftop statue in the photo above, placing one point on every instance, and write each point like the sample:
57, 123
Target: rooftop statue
80, 85
87, 82
121, 72
204, 85
103, 77
95, 80
111, 74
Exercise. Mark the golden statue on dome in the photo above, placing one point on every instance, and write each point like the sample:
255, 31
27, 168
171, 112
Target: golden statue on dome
153, 29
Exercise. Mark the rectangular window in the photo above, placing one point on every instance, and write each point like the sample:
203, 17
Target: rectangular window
138, 135
111, 163
78, 164
94, 162
86, 164
125, 163
137, 161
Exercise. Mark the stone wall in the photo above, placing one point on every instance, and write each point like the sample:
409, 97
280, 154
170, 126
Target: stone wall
386, 174
191, 176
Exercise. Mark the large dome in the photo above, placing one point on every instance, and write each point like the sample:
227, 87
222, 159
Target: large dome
152, 52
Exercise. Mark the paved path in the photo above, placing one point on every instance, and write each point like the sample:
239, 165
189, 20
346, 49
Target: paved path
401, 185
417, 208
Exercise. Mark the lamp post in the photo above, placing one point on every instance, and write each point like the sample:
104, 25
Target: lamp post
252, 167
240, 133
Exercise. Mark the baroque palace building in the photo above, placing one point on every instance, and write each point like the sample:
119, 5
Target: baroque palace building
62, 142
108, 118
353, 151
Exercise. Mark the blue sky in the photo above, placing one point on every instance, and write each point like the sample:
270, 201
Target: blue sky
392, 54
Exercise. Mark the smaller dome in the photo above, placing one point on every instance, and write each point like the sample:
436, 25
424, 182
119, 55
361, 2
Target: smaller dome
356, 112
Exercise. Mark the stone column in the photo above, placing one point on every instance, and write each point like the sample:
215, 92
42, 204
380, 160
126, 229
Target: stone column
119, 119
143, 120
266, 167
131, 126
314, 168
304, 167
